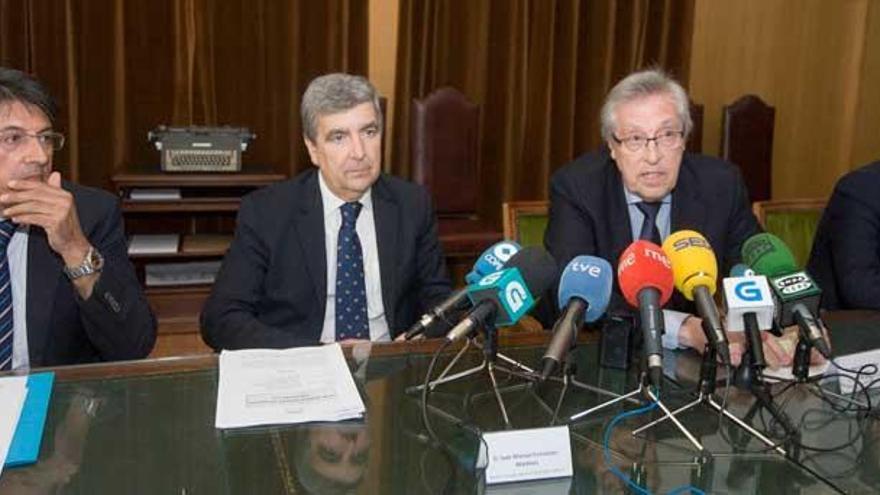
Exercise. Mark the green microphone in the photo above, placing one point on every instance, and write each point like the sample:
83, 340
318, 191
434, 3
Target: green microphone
767, 255
797, 295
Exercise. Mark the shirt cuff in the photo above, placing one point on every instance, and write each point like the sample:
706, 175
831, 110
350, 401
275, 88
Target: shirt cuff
672, 321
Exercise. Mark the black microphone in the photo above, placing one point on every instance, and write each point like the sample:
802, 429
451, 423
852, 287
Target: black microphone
504, 297
492, 260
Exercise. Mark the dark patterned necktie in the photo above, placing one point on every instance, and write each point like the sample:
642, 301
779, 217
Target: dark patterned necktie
351, 293
650, 232
7, 228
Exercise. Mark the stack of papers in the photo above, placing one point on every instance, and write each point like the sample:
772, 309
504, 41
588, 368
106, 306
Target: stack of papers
264, 386
13, 390
154, 194
153, 244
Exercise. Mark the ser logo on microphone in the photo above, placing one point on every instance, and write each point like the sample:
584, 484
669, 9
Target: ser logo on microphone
690, 242
748, 290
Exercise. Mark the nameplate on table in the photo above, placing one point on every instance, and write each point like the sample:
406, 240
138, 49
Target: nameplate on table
530, 454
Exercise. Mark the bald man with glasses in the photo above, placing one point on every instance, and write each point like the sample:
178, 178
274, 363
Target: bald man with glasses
68, 293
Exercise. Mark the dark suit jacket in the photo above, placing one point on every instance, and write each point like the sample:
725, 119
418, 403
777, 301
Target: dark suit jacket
272, 288
845, 259
589, 214
115, 323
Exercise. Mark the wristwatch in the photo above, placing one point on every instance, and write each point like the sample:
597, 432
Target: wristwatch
92, 263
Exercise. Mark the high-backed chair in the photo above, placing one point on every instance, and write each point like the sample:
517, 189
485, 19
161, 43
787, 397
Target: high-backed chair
747, 140
526, 221
445, 154
792, 220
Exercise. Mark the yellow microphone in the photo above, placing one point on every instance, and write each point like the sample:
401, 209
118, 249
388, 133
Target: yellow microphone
695, 274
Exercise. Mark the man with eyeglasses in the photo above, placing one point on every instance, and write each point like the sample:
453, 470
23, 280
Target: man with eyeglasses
645, 186
68, 293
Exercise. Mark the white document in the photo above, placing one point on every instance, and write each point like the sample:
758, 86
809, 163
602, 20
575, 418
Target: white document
13, 390
785, 372
267, 386
854, 362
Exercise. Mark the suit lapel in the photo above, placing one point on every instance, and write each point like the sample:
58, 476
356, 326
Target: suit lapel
386, 213
618, 212
310, 234
43, 274
687, 209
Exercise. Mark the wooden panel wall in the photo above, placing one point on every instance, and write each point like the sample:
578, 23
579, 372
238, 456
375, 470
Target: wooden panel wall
816, 61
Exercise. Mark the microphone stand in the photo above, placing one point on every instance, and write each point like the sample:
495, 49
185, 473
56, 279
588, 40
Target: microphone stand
800, 368
645, 390
706, 396
489, 365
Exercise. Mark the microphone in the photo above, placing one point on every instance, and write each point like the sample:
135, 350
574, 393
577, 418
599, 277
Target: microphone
750, 308
584, 294
696, 270
504, 297
644, 274
796, 292
490, 261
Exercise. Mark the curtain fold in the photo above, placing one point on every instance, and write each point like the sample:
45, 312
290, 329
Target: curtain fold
119, 68
539, 70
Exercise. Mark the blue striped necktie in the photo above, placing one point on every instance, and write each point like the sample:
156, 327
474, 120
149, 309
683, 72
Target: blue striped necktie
7, 228
351, 293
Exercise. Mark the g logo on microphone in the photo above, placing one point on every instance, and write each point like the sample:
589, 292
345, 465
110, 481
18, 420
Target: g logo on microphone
747, 291
515, 296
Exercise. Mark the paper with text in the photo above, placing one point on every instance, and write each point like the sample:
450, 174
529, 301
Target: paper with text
266, 386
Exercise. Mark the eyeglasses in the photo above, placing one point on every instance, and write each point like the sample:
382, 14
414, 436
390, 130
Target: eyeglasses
12, 139
665, 139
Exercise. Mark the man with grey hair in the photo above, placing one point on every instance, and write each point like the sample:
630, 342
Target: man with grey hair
645, 186
339, 253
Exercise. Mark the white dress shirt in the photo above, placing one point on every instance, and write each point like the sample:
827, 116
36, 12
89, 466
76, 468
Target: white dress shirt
366, 230
16, 253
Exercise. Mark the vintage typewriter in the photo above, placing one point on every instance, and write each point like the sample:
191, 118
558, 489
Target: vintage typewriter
200, 149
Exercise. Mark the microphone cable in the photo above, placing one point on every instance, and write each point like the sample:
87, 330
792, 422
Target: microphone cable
609, 463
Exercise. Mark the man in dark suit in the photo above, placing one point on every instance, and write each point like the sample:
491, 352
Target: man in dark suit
604, 200
341, 253
68, 293
845, 259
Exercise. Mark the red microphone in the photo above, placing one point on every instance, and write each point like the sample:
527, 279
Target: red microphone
644, 274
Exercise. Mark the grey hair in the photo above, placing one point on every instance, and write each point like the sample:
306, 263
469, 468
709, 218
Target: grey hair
639, 85
334, 93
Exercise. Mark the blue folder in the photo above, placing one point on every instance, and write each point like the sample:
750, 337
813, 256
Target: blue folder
25, 446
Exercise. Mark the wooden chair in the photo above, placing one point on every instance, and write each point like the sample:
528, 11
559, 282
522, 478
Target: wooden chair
747, 140
525, 221
792, 220
445, 156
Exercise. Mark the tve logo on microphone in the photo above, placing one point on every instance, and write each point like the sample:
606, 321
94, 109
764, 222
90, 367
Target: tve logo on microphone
748, 295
